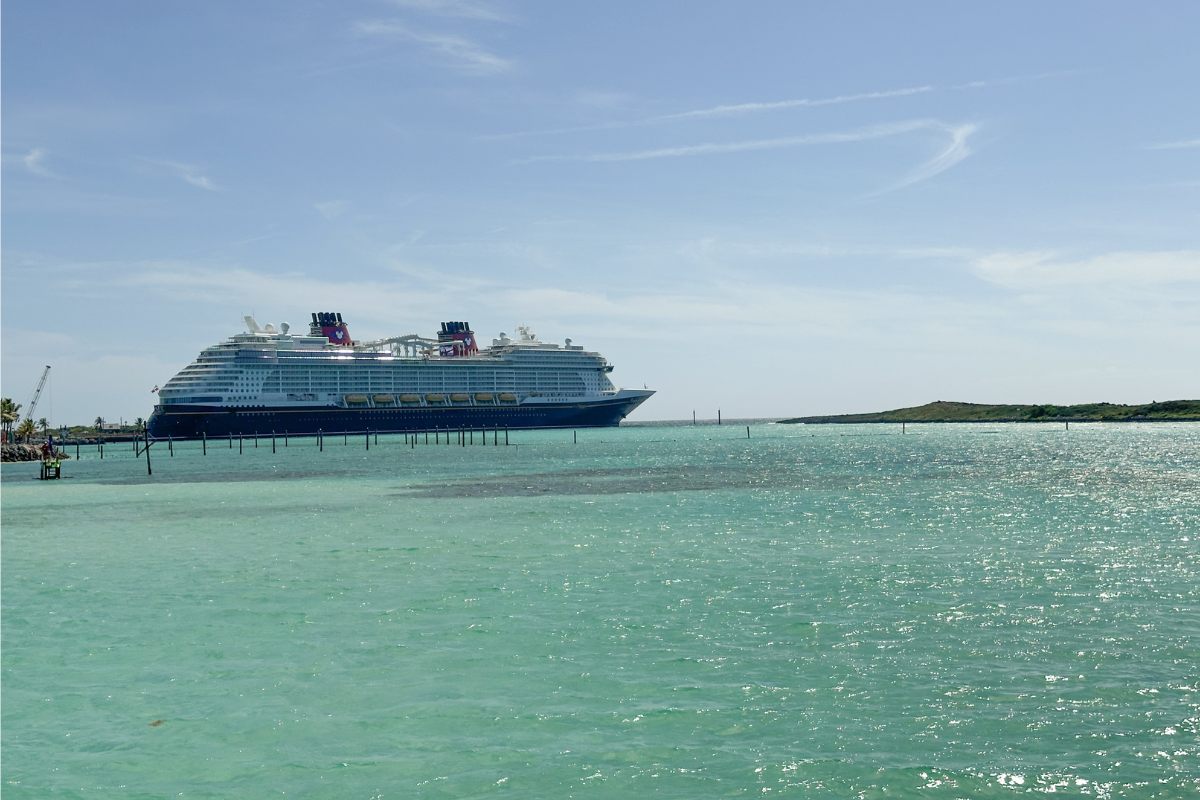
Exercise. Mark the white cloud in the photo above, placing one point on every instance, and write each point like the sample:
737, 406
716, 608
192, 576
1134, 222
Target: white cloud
745, 108
35, 163
955, 152
923, 344
1042, 270
720, 111
467, 56
189, 172
863, 134
1174, 145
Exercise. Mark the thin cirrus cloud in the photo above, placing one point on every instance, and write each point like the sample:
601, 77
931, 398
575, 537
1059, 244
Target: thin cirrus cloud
954, 152
721, 111
35, 163
1174, 145
190, 173
464, 54
745, 108
1040, 270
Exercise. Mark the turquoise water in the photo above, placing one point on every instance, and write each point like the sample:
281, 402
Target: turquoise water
963, 611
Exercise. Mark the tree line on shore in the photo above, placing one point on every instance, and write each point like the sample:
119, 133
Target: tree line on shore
16, 429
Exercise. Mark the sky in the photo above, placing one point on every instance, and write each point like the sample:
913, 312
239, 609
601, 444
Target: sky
770, 208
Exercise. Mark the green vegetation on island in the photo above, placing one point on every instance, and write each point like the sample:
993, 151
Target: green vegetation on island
942, 411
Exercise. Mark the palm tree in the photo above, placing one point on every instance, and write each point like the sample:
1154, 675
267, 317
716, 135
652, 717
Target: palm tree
43, 426
139, 423
99, 423
9, 414
26, 429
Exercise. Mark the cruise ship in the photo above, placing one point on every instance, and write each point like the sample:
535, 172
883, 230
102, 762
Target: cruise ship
271, 380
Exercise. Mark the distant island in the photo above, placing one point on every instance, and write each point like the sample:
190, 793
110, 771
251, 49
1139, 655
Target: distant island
942, 411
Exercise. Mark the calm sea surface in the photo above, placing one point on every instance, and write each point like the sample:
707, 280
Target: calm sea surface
965, 611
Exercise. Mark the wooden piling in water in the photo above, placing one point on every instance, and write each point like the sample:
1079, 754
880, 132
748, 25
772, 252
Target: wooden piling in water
204, 442
170, 446
272, 441
239, 443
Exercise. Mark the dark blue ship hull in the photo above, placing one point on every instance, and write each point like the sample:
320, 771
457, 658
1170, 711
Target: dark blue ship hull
192, 422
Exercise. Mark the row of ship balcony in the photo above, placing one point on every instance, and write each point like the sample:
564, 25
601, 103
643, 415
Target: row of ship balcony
373, 400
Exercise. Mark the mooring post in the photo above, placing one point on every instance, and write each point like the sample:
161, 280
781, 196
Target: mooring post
345, 437
239, 444
272, 441
204, 442
426, 437
718, 416
576, 433
1068, 426
495, 436
231, 440
320, 440
76, 449
693, 416
747, 431
902, 424
256, 440
146, 439
285, 438
377, 436
170, 446
368, 439
506, 436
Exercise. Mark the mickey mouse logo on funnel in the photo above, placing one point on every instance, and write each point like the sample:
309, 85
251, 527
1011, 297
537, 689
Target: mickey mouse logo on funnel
331, 327
456, 339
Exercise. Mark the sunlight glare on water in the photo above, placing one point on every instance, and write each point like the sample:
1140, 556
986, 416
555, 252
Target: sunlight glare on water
822, 611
